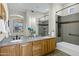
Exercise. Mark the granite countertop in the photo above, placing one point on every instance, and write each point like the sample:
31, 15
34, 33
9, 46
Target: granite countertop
24, 39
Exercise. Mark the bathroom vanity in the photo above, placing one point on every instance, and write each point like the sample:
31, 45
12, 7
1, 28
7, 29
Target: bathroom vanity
29, 47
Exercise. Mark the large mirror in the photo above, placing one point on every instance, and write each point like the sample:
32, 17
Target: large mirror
28, 19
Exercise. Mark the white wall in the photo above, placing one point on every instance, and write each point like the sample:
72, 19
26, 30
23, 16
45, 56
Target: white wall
71, 10
52, 16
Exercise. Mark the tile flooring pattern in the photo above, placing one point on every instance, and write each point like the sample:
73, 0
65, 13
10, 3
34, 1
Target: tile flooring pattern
58, 53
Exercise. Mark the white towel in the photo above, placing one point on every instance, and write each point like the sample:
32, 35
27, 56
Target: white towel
2, 26
2, 29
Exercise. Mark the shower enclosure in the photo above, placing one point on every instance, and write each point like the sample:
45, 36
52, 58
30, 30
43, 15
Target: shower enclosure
68, 28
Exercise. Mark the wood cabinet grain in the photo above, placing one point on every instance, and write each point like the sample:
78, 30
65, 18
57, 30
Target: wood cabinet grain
34, 48
52, 44
37, 48
0, 10
26, 49
48, 46
12, 50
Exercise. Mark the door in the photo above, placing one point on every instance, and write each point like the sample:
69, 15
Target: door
52, 44
26, 49
70, 28
45, 46
37, 48
48, 45
12, 50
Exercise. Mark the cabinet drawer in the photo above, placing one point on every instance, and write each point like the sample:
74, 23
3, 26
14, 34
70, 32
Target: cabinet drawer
36, 52
36, 47
36, 42
26, 44
10, 50
26, 49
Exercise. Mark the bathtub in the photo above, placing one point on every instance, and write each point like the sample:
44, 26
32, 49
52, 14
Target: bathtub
68, 48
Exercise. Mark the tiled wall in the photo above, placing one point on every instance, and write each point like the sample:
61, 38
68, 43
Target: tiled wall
70, 28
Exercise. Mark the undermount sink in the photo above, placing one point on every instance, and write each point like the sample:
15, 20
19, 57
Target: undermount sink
16, 41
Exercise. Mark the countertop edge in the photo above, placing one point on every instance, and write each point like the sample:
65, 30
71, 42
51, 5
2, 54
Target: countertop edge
42, 38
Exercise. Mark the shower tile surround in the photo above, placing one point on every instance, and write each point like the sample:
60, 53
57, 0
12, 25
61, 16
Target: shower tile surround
70, 28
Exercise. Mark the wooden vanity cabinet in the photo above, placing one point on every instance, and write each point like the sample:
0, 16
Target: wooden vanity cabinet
10, 50
48, 45
46, 42
43, 47
37, 48
34, 48
26, 49
52, 44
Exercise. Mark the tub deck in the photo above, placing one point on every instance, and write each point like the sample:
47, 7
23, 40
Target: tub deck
68, 48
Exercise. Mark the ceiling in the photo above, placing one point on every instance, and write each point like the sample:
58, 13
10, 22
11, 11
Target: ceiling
39, 7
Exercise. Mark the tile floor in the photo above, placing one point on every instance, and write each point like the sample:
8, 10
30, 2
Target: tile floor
58, 53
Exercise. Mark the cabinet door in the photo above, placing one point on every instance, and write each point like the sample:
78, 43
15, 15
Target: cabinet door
12, 50
26, 49
0, 9
52, 45
48, 45
42, 44
45, 46
4, 51
37, 48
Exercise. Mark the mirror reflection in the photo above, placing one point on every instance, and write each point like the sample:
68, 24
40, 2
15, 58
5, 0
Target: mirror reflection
28, 19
